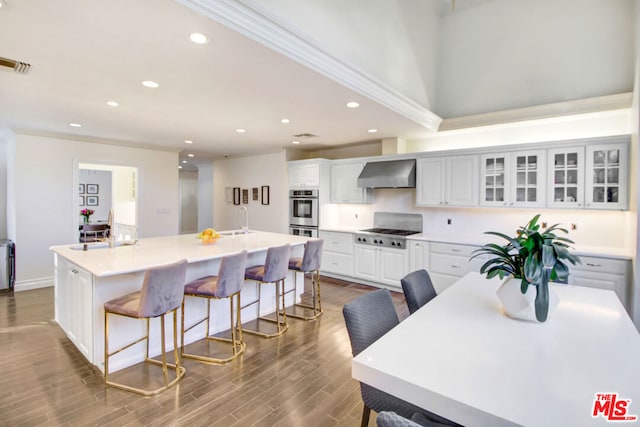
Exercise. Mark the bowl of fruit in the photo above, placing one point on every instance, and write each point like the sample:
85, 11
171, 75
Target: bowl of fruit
208, 236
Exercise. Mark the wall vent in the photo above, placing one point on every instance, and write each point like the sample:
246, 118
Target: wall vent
305, 135
17, 66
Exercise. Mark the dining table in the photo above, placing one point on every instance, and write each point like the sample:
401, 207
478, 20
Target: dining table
461, 357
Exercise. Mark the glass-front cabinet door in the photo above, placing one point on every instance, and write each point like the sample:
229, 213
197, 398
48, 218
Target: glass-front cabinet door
606, 176
566, 177
527, 182
495, 176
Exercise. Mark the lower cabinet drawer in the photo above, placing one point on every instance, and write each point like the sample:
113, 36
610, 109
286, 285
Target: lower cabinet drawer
337, 263
450, 264
601, 265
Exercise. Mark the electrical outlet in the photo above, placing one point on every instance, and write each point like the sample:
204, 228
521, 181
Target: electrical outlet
574, 226
448, 221
356, 216
544, 224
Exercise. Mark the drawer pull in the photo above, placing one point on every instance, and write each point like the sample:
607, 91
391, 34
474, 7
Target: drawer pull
455, 266
74, 271
334, 263
590, 264
335, 243
456, 250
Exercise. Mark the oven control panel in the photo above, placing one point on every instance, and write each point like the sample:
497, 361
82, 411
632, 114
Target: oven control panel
384, 241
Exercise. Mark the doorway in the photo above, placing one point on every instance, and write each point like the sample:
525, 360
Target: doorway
104, 187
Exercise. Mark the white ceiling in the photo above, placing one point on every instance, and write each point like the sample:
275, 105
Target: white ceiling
85, 52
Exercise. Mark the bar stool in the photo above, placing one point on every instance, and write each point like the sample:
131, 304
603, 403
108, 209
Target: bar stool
309, 263
274, 271
227, 284
161, 293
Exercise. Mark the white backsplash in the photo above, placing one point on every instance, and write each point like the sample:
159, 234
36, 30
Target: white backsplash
612, 229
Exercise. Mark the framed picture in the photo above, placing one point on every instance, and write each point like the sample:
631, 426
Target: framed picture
245, 196
80, 189
92, 189
255, 194
265, 194
91, 200
81, 201
236, 195
228, 192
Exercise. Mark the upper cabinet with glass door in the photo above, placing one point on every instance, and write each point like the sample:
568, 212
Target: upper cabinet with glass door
566, 177
513, 179
606, 177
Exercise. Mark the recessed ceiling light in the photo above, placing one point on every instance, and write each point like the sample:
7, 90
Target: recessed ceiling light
191, 155
198, 38
240, 130
188, 141
179, 167
151, 84
112, 103
75, 125
285, 121
295, 142
372, 130
184, 161
352, 104
3, 4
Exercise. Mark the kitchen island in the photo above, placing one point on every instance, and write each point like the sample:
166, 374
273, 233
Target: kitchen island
85, 280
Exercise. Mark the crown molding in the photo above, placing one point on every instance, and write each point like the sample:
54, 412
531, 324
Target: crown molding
557, 109
256, 25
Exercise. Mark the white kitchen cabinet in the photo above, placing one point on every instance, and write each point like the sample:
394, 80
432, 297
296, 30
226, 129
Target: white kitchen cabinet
344, 184
449, 262
604, 273
606, 176
383, 265
418, 255
73, 293
565, 177
447, 181
337, 253
304, 175
513, 179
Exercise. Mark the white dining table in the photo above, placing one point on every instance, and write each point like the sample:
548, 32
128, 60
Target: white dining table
459, 356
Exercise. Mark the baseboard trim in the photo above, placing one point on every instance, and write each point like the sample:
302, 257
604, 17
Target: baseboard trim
27, 285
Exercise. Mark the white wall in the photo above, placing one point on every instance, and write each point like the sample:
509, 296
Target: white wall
42, 193
506, 54
188, 202
393, 41
5, 137
248, 173
103, 180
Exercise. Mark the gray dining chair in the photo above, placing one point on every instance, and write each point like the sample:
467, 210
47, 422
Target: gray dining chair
368, 318
418, 289
391, 419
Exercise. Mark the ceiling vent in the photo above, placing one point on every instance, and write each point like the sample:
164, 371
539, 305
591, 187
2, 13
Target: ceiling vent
17, 66
305, 135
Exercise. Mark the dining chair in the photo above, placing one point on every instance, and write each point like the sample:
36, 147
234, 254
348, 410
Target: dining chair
227, 284
368, 318
418, 289
90, 233
161, 293
391, 419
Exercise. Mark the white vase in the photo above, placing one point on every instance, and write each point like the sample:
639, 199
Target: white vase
521, 306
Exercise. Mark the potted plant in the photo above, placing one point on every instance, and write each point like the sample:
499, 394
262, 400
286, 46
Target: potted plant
533, 257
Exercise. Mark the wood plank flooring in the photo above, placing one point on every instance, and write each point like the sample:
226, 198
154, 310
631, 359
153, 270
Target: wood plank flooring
300, 379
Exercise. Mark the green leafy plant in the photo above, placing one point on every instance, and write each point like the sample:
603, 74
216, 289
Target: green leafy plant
534, 257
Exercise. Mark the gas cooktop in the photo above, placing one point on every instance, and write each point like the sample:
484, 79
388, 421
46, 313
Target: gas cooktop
391, 231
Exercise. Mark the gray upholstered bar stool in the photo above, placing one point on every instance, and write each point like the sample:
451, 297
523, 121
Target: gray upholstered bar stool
226, 284
274, 271
161, 293
309, 263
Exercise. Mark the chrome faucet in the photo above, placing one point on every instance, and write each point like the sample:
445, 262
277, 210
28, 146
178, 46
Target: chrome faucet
111, 223
244, 209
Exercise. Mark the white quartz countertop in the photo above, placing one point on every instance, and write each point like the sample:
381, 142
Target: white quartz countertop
103, 261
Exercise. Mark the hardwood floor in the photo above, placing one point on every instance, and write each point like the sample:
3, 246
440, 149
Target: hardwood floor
300, 379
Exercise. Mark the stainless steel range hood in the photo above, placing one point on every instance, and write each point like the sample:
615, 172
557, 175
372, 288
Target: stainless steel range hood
389, 174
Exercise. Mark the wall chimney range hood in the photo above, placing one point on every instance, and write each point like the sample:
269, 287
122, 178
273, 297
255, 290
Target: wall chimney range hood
388, 174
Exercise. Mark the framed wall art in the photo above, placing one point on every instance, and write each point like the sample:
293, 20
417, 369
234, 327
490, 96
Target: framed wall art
92, 188
80, 188
81, 201
255, 194
91, 200
265, 194
236, 195
228, 192
245, 196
